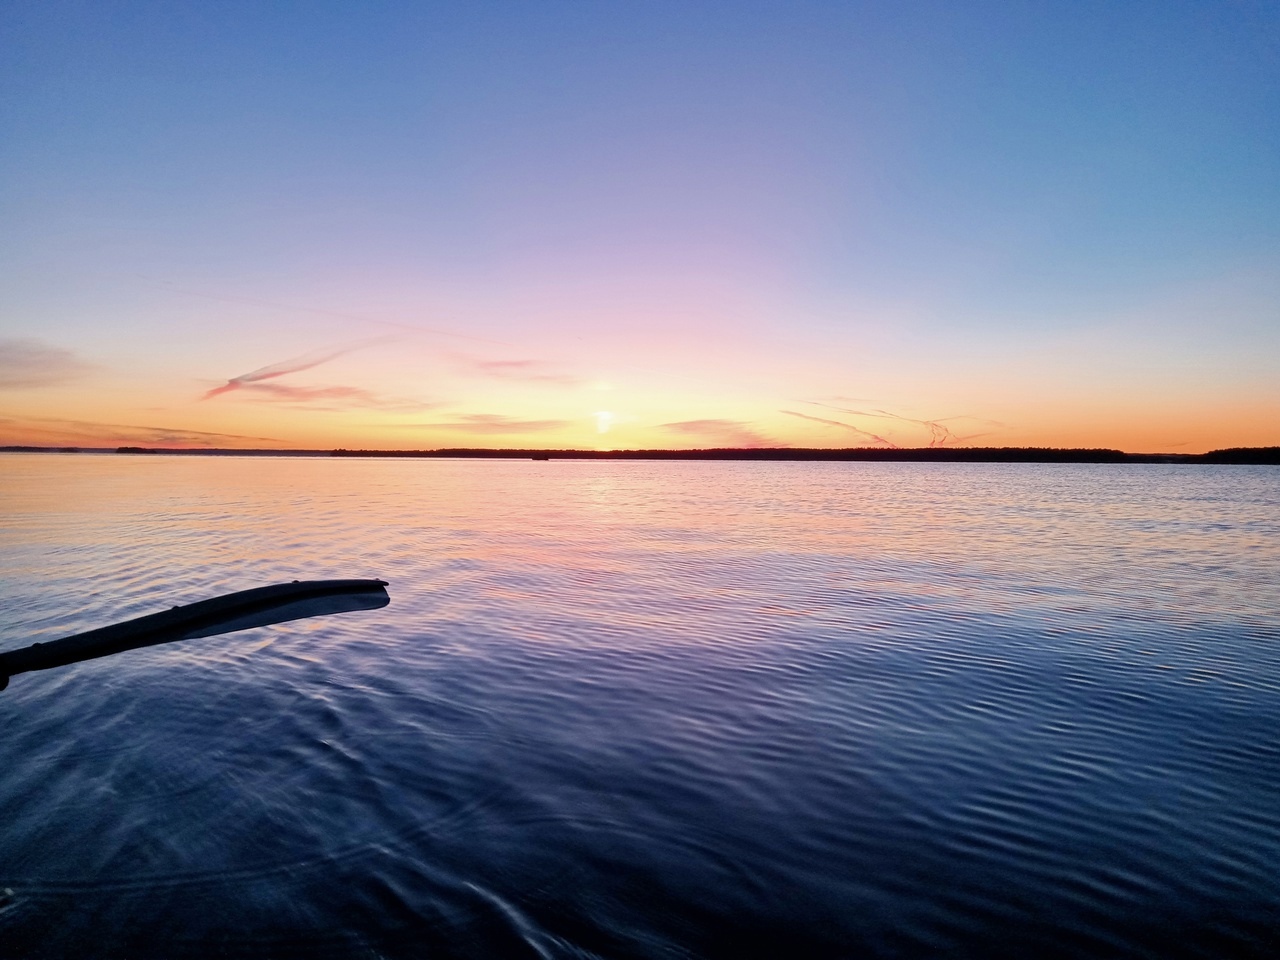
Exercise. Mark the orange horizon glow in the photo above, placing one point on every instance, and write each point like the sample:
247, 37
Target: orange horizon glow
812, 425
640, 226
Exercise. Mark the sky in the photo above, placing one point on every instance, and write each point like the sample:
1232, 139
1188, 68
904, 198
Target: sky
619, 225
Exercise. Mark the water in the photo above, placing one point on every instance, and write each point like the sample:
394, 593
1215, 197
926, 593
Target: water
627, 709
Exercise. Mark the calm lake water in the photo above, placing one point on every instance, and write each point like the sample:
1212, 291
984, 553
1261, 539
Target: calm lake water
648, 710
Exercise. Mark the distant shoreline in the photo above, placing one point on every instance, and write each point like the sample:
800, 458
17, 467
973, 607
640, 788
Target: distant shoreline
1238, 455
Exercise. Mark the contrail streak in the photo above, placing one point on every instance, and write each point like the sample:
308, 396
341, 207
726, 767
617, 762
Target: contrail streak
270, 372
939, 434
841, 423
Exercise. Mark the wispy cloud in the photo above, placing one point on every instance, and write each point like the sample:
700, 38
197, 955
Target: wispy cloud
30, 363
56, 429
284, 367
494, 423
840, 423
726, 433
261, 385
529, 371
332, 398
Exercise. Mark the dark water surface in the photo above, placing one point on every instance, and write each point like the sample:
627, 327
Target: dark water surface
627, 709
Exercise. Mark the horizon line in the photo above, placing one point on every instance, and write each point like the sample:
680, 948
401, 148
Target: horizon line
1239, 455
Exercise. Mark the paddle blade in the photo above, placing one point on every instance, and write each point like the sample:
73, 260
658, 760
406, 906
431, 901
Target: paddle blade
259, 607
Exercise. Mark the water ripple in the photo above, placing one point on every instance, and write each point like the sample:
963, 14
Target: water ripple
649, 710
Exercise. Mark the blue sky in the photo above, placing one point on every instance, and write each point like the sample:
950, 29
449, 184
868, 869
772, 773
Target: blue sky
1061, 219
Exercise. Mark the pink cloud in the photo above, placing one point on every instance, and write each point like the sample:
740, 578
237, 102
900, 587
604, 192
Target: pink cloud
495, 423
530, 371
30, 363
332, 398
285, 367
118, 433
